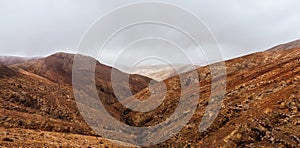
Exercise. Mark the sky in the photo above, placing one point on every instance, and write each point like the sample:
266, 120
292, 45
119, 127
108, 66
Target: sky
39, 28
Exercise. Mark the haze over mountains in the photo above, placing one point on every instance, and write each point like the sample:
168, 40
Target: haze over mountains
261, 105
10, 60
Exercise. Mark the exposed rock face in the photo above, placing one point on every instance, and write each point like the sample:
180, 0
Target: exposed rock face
261, 105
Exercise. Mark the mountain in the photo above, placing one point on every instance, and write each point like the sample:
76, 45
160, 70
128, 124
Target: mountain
58, 69
260, 108
287, 46
37, 95
10, 60
161, 72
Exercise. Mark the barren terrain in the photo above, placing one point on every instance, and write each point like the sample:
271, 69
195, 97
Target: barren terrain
261, 107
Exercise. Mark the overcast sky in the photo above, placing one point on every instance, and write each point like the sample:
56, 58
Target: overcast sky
43, 27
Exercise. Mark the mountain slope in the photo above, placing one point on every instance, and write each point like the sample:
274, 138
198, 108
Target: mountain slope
287, 46
58, 69
261, 105
30, 101
38, 95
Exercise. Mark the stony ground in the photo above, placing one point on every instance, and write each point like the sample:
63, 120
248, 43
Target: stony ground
261, 107
16, 137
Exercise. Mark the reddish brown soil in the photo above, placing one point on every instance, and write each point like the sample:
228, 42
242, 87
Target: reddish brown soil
260, 109
261, 105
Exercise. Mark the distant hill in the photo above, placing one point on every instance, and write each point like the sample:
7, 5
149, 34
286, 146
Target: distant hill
162, 72
10, 60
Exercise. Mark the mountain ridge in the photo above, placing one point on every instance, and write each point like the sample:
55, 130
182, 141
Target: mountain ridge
261, 105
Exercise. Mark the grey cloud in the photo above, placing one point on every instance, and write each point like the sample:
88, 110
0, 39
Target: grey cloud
39, 28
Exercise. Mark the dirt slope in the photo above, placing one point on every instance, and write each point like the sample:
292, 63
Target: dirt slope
261, 105
36, 95
58, 69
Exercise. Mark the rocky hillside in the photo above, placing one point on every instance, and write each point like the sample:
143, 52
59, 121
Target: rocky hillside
37, 95
58, 69
261, 107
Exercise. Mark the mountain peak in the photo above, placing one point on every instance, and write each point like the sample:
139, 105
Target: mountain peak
62, 55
